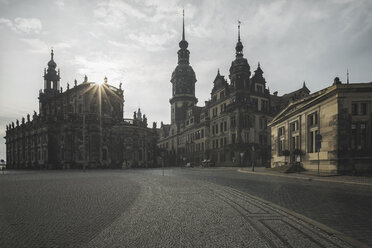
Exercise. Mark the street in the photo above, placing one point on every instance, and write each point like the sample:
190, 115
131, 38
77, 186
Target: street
187, 207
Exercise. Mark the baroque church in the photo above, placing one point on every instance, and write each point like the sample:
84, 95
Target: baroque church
81, 127
231, 128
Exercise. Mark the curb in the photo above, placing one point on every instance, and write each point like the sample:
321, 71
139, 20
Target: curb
306, 178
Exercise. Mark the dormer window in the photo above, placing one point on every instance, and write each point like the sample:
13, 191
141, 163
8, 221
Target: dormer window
222, 94
259, 88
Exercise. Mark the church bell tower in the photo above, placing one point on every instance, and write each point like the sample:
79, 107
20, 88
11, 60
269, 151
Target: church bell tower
51, 76
183, 83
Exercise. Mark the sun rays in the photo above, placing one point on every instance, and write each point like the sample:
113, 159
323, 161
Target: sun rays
101, 98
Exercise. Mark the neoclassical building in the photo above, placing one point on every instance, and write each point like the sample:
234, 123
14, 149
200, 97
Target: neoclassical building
231, 128
82, 126
341, 115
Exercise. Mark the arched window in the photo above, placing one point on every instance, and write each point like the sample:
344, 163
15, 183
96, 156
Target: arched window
104, 154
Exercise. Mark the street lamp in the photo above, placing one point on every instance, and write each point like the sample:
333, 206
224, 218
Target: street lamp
252, 158
162, 161
241, 158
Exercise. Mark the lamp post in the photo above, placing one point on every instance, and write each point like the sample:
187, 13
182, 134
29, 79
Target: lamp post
241, 158
252, 158
84, 157
162, 162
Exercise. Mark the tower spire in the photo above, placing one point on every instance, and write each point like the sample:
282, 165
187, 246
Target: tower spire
183, 24
347, 76
239, 30
239, 45
51, 76
183, 53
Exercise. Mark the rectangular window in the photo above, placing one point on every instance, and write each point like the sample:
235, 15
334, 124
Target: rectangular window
216, 143
225, 126
311, 145
202, 133
246, 137
294, 126
363, 136
354, 109
232, 122
359, 136
259, 89
297, 144
293, 143
263, 105
221, 127
312, 119
363, 108
104, 154
354, 136
233, 138
246, 122
280, 146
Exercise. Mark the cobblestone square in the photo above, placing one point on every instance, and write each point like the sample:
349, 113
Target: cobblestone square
141, 208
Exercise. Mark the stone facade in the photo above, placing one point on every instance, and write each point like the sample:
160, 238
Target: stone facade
82, 126
231, 128
341, 114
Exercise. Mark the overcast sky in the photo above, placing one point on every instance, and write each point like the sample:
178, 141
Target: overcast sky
135, 42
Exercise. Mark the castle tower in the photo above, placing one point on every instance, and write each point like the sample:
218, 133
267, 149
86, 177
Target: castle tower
139, 114
240, 69
51, 76
183, 83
